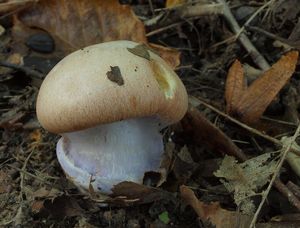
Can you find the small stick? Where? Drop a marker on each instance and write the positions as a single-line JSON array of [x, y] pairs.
[[201, 9], [288, 193], [246, 127], [274, 177], [254, 15], [220, 8], [151, 6], [30, 174], [294, 188], [186, 10], [198, 101], [273, 36], [260, 61], [162, 29]]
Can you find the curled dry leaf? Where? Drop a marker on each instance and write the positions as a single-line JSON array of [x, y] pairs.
[[213, 213], [45, 193], [59, 207], [80, 23], [202, 131], [253, 101], [129, 193], [170, 55]]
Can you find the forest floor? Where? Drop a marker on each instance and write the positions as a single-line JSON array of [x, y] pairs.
[[234, 158]]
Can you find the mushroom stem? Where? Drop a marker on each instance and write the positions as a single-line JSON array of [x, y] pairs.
[[108, 154]]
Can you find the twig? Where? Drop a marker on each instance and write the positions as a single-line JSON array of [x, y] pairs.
[[290, 195], [188, 10], [26, 70], [30, 174], [162, 29], [10, 159], [286, 149], [253, 16], [273, 36], [252, 130], [260, 61], [246, 127], [18, 216], [22, 173], [151, 7], [220, 8], [294, 188], [290, 124], [200, 9]]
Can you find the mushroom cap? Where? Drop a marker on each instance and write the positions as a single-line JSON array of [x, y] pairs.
[[109, 82]]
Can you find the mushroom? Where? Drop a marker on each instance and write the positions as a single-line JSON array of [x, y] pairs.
[[109, 102]]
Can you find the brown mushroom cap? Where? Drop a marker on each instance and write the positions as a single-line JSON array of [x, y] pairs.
[[109, 82]]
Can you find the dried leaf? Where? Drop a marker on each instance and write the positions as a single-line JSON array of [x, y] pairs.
[[45, 193], [201, 131], [184, 166], [14, 5], [36, 136], [170, 55], [246, 178], [129, 193], [60, 207], [37, 206], [173, 3], [235, 85], [79, 23], [140, 50], [212, 212], [262, 91]]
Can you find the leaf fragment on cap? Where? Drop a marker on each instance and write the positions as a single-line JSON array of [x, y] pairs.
[[115, 75], [140, 50]]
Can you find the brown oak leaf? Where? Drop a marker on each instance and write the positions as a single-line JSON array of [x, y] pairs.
[[75, 24], [248, 104]]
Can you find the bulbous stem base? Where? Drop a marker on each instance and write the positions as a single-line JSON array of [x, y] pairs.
[[109, 154]]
